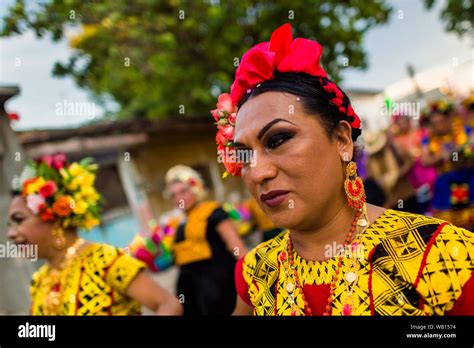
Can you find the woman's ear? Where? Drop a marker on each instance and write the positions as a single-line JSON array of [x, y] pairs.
[[345, 145]]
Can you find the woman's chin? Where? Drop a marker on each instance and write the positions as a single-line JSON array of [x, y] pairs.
[[285, 219]]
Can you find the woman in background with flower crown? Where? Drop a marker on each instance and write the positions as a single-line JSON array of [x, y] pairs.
[[51, 201], [206, 246], [339, 255]]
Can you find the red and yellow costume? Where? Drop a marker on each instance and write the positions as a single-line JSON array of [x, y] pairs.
[[411, 265], [92, 279]]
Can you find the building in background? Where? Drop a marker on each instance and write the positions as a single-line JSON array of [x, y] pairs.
[[134, 156]]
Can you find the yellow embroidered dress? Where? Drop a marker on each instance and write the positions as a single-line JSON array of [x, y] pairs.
[[409, 265], [93, 283]]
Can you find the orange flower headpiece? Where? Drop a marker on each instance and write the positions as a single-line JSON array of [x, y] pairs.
[[57, 191], [260, 63]]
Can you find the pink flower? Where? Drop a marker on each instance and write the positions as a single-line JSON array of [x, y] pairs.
[[34, 202], [48, 189], [221, 139], [59, 160], [224, 103], [232, 117], [228, 132], [215, 114], [56, 161]]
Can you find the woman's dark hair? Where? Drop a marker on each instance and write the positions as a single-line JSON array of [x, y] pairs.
[[316, 100]]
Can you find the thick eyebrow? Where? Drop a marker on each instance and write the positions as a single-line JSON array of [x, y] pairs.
[[265, 129], [269, 125]]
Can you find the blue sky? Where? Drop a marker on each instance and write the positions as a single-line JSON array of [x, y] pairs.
[[413, 36]]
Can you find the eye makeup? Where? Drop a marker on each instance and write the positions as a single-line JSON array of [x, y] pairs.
[[277, 138], [17, 218]]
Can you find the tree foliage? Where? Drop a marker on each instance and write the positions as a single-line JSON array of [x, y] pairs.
[[457, 15], [159, 57]]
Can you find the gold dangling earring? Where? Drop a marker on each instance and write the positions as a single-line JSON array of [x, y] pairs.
[[59, 238], [354, 187]]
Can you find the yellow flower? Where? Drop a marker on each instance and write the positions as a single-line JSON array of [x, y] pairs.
[[88, 179], [76, 170], [80, 206], [94, 198], [35, 186], [90, 222], [73, 185], [87, 191], [64, 173]]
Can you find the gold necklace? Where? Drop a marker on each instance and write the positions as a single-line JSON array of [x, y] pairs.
[[350, 249], [51, 283]]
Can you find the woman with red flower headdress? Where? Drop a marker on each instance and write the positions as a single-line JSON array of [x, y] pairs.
[[52, 199], [338, 254]]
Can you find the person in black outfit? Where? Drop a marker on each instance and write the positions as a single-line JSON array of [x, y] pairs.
[[206, 247]]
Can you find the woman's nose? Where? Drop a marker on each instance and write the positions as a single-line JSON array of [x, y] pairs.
[[263, 169], [11, 233]]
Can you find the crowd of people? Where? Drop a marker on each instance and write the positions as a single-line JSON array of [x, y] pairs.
[[425, 165]]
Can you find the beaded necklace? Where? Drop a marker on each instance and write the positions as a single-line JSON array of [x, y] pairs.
[[293, 286], [52, 283]]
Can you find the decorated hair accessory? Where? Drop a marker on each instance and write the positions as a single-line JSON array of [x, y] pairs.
[[188, 176], [57, 191], [260, 63], [442, 106]]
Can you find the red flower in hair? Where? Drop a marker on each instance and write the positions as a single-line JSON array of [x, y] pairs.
[[224, 103], [221, 139], [259, 64], [46, 214], [48, 189], [282, 54], [227, 132], [233, 168]]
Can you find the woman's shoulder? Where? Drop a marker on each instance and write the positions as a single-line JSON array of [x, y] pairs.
[[394, 221], [416, 229], [115, 264], [424, 243], [103, 256]]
